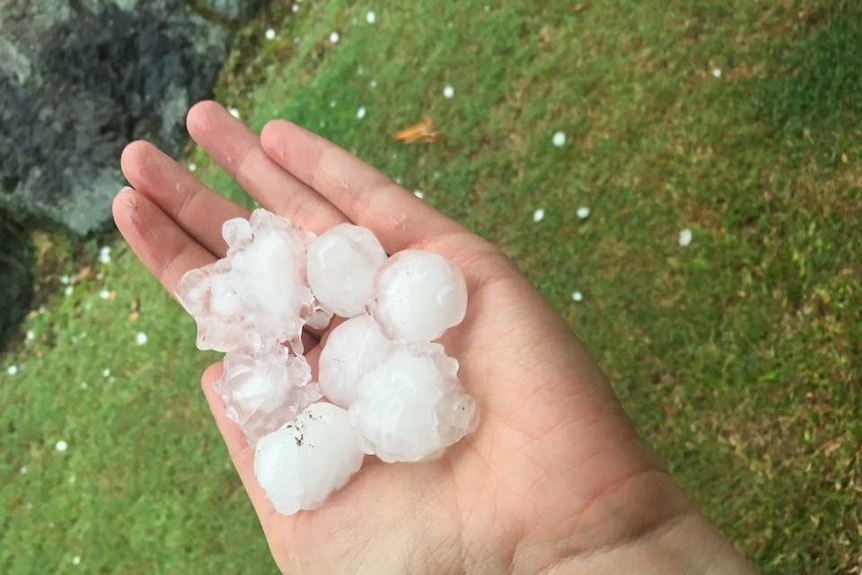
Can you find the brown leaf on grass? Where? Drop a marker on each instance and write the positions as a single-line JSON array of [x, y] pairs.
[[579, 7], [83, 274], [422, 131]]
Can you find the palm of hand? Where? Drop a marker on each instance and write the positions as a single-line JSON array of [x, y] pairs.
[[554, 465]]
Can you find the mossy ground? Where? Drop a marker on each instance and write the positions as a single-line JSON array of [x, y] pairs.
[[739, 357]]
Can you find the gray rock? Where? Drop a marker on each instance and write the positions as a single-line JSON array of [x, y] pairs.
[[81, 78], [233, 9], [16, 280]]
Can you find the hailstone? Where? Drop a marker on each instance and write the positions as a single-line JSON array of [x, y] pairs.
[[300, 464], [341, 266], [419, 295]]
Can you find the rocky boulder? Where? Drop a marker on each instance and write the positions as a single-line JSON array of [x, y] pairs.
[[81, 78]]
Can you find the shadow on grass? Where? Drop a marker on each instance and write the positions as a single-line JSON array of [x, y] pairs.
[[16, 278]]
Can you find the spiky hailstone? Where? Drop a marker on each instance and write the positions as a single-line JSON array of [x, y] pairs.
[[342, 264], [263, 389], [303, 462], [411, 406], [419, 295], [257, 295]]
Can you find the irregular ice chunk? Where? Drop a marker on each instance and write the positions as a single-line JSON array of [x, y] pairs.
[[257, 295], [419, 296], [303, 462], [352, 349], [341, 266], [265, 389], [411, 407]]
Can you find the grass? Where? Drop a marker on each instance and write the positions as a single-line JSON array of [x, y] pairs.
[[739, 357]]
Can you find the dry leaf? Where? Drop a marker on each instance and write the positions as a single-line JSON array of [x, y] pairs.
[[422, 131]]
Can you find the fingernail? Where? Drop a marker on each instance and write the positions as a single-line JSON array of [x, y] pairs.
[[126, 196]]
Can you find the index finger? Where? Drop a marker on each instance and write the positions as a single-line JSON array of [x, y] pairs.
[[362, 193]]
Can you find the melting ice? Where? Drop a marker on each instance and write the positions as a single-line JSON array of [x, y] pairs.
[[383, 388]]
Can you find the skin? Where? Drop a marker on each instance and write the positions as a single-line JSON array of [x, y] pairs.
[[554, 479]]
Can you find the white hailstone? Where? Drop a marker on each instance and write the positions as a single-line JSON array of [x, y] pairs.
[[105, 254], [583, 213], [233, 112], [263, 390], [12, 369], [141, 338], [370, 17], [448, 92], [577, 296], [295, 8], [716, 72], [418, 194], [342, 264], [559, 139], [61, 446], [334, 37], [685, 237], [23, 470], [76, 560], [269, 34], [193, 167], [83, 385], [299, 465], [64, 280], [332, 103], [538, 215], [255, 296], [411, 406], [106, 372], [373, 83], [351, 350], [67, 291], [419, 295], [360, 113], [105, 294], [31, 335]]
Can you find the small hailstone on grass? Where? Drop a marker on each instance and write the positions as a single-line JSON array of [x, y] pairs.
[[61, 446], [106, 372], [64, 280], [685, 237], [448, 92], [538, 215], [233, 112], [418, 194], [23, 470], [83, 385], [31, 335], [67, 291], [76, 560], [295, 8], [360, 113], [105, 294], [370, 17], [105, 254], [332, 103], [193, 167], [577, 296], [269, 34], [583, 213], [334, 37], [141, 338], [12, 369], [559, 139], [373, 83], [716, 72]]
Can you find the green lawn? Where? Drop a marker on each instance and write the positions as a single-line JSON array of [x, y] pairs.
[[739, 356]]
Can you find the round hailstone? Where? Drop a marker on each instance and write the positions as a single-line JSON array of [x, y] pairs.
[[141, 338], [411, 406], [538, 215], [265, 389], [370, 17], [12, 369], [559, 139], [352, 349], [334, 37], [360, 113], [419, 296], [583, 213], [716, 72], [299, 465], [685, 237], [577, 296], [341, 267], [269, 34], [233, 112], [448, 92], [61, 446]]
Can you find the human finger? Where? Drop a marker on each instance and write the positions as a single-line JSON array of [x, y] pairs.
[[237, 150], [165, 248], [197, 209], [365, 195]]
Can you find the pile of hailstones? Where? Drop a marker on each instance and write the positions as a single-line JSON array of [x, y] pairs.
[[383, 388]]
